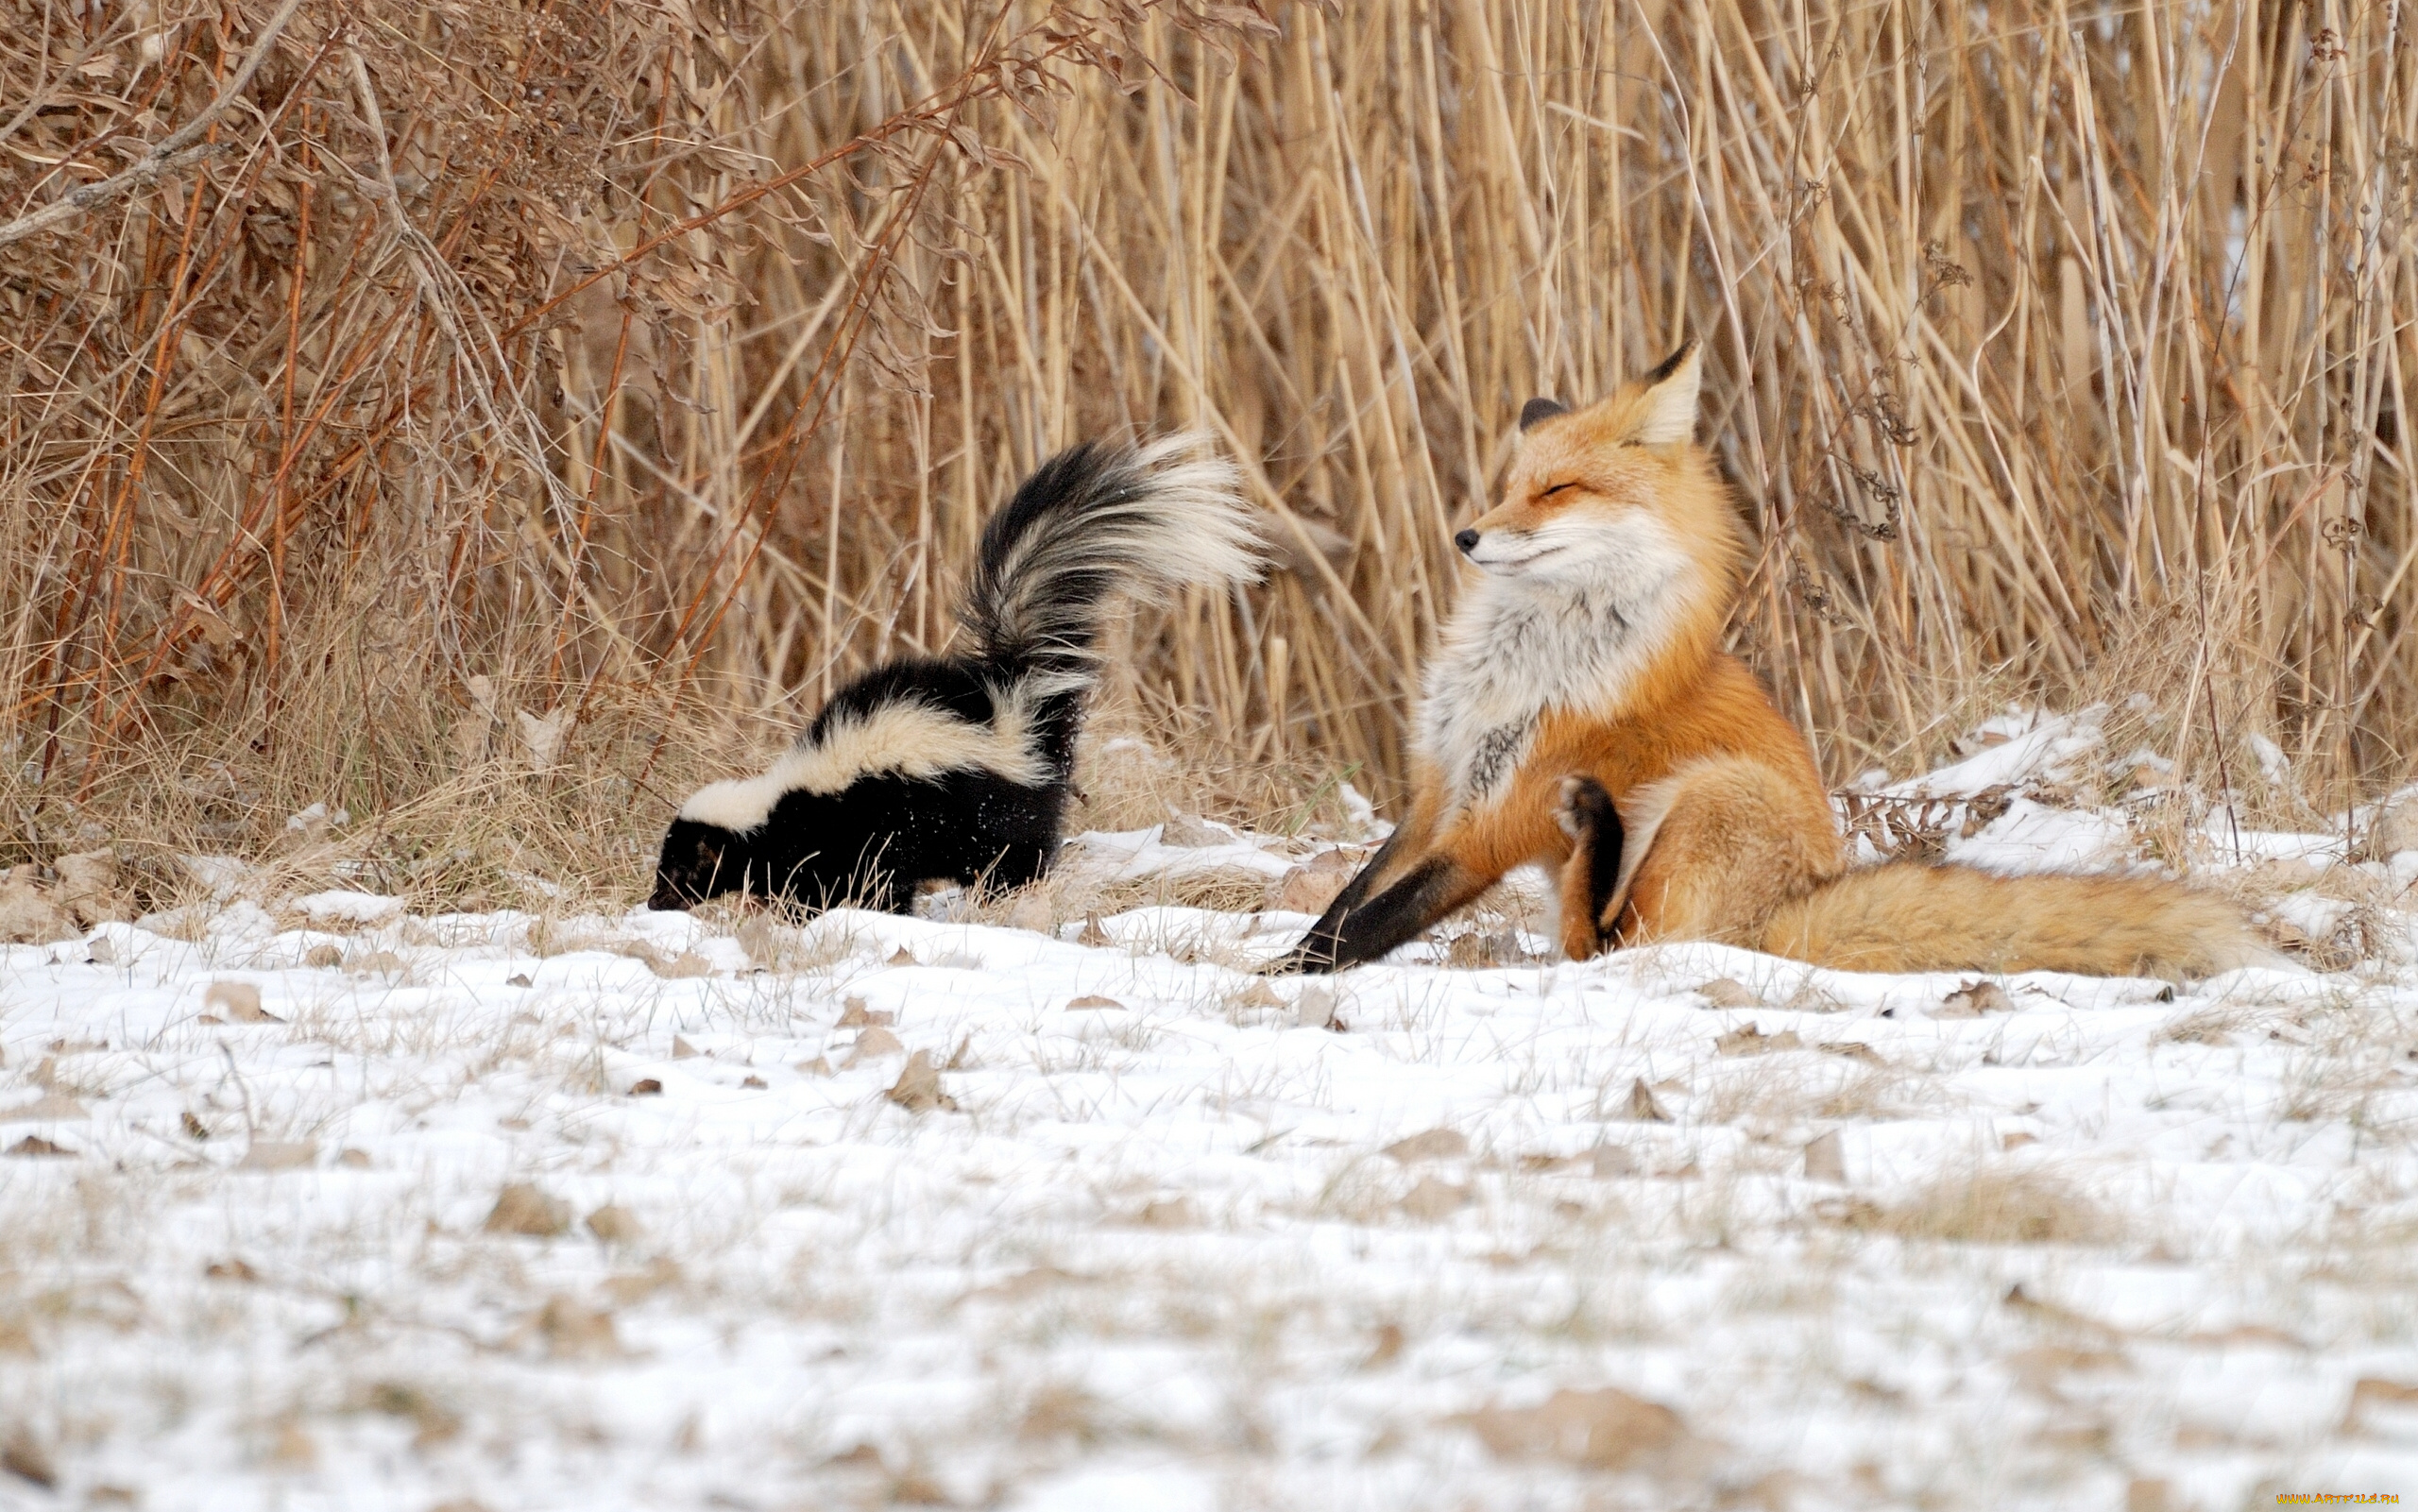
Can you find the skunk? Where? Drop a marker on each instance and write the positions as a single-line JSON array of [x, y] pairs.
[[958, 766]]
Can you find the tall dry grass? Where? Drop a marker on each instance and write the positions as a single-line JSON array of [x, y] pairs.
[[657, 364]]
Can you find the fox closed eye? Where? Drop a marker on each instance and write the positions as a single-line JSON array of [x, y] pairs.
[[1557, 487]]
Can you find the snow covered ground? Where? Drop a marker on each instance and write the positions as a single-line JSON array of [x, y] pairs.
[[314, 1203]]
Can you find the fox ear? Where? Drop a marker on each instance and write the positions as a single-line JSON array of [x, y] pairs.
[[1671, 391], [1538, 409]]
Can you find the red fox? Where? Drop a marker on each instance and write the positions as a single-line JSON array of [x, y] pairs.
[[1581, 713]]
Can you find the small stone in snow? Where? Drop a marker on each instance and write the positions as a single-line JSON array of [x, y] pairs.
[[321, 958], [682, 1049], [875, 1041], [646, 1087], [518, 979], [1092, 1000], [35, 1144], [1093, 934], [1826, 1158], [1315, 1009], [903, 957]]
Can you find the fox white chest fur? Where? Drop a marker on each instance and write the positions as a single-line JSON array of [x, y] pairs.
[[1522, 646]]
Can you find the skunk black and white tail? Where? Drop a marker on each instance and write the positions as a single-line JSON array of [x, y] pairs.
[[958, 767]]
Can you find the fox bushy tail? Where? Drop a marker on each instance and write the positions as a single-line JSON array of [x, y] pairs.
[[1909, 917], [1092, 522]]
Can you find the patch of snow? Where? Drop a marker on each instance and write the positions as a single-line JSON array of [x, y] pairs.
[[222, 877], [2030, 836], [2023, 746], [347, 907], [1143, 1238]]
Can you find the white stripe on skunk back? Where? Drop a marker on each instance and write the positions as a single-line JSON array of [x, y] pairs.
[[905, 740]]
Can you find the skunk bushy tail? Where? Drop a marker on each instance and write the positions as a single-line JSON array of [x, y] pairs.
[[1093, 521]]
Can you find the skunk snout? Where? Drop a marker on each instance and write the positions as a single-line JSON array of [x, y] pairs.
[[667, 898]]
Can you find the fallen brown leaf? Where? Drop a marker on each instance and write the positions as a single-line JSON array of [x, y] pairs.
[[1753, 1041], [918, 1088], [524, 1208], [239, 1002], [1607, 1429], [1432, 1200], [1642, 1107], [1974, 999], [1434, 1145], [615, 1224], [1723, 993]]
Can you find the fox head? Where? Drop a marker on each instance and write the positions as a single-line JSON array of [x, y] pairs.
[[1616, 493]]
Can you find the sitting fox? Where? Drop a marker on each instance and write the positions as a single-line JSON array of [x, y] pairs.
[[1581, 713]]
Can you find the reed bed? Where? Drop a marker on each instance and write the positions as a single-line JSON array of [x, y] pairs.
[[545, 402]]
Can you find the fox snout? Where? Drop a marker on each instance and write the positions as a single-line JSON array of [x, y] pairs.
[[1467, 541]]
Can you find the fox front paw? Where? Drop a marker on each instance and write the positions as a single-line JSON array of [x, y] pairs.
[[1584, 807]]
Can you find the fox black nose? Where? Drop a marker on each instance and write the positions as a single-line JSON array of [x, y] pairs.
[[1467, 541]]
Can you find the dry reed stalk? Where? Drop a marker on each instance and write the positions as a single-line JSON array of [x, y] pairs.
[[685, 356]]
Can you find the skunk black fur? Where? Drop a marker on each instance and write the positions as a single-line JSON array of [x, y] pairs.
[[958, 767]]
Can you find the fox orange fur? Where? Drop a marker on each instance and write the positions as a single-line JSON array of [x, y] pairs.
[[1581, 713]]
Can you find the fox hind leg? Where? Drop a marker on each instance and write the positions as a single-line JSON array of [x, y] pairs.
[[1591, 878], [1725, 841]]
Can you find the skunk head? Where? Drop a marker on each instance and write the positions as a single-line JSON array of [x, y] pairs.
[[710, 848], [700, 860]]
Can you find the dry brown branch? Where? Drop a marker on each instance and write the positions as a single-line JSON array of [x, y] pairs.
[[180, 149]]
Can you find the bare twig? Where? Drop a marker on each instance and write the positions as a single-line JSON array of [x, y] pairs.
[[179, 149]]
